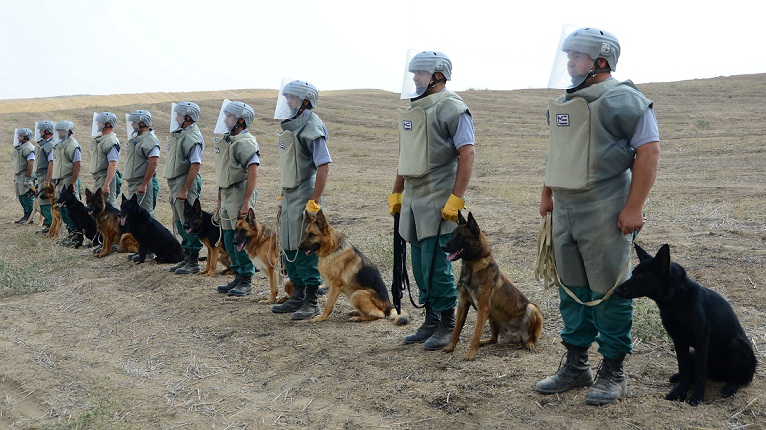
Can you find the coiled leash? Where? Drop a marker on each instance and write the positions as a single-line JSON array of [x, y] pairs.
[[546, 262], [400, 278]]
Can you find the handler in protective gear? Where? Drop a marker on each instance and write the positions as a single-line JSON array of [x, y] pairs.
[[184, 159], [601, 163], [436, 157], [23, 167], [141, 155], [67, 157], [236, 172], [44, 160], [305, 165], [104, 155]]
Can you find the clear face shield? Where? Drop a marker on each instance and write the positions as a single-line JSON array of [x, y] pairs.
[[62, 134], [415, 82], [97, 126], [16, 140], [176, 119], [287, 105], [226, 121], [131, 126]]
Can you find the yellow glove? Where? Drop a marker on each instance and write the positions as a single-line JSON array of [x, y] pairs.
[[454, 205], [280, 199], [394, 203], [312, 207]]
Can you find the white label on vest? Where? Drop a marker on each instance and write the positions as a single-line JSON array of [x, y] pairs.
[[407, 125], [281, 144], [562, 120]]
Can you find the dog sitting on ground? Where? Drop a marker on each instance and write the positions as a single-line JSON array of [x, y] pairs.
[[85, 224], [200, 223], [262, 245], [48, 192], [347, 271], [34, 192], [149, 233], [107, 219], [708, 338], [485, 288]]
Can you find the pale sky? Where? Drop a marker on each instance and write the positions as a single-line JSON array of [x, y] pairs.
[[68, 47]]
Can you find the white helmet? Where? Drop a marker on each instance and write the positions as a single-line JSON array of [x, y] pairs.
[[432, 62], [188, 108], [106, 118], [64, 125], [139, 116], [240, 110], [303, 90], [596, 43], [44, 125], [24, 132]]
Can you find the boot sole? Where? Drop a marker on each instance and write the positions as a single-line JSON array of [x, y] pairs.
[[590, 384]]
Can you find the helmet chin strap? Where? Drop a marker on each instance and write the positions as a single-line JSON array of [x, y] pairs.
[[431, 84], [595, 70]]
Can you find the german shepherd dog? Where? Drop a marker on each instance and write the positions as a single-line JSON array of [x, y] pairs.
[[695, 318], [485, 288], [200, 223], [48, 191], [34, 191], [347, 270], [262, 245], [107, 219], [150, 234], [86, 225]]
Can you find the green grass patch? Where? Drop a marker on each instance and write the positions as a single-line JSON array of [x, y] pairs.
[[16, 280]]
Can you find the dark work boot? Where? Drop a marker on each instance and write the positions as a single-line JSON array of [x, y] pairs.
[[23, 219], [243, 288], [611, 383], [234, 282], [425, 331], [310, 307], [293, 303], [181, 263], [443, 334], [191, 266], [574, 373]]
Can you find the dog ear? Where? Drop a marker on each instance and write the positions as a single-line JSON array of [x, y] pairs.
[[123, 197], [250, 216], [197, 207], [88, 193], [134, 199], [472, 224], [460, 218], [320, 219], [663, 258], [642, 255]]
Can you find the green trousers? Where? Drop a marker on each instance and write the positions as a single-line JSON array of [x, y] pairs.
[[27, 203], [46, 211], [240, 261], [607, 323], [437, 288], [302, 269]]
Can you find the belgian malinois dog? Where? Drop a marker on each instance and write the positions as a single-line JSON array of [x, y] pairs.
[[262, 245], [485, 288], [347, 271]]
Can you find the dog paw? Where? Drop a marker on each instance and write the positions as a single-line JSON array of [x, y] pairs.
[[676, 395], [729, 390], [675, 378], [319, 318], [695, 400]]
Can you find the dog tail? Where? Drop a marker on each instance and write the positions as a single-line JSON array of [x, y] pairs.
[[535, 324], [398, 318]]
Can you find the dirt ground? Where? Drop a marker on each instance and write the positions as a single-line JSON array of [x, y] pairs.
[[103, 343]]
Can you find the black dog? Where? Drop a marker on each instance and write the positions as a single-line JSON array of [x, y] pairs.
[[694, 317], [149, 233], [85, 224]]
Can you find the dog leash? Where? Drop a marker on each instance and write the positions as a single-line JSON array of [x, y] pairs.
[[546, 263]]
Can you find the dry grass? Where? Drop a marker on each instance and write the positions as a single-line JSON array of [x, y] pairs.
[[113, 345]]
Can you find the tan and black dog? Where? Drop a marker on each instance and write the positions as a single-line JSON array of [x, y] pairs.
[[344, 269], [33, 189], [47, 192], [200, 223], [107, 219], [485, 288], [262, 245]]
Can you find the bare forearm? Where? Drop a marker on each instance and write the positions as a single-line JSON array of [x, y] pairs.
[[644, 174], [150, 169], [321, 181], [464, 170], [191, 177]]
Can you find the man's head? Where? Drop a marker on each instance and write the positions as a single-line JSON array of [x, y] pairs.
[[186, 113], [238, 114], [23, 135], [105, 120], [45, 128], [431, 70], [64, 129], [140, 120], [590, 52]]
